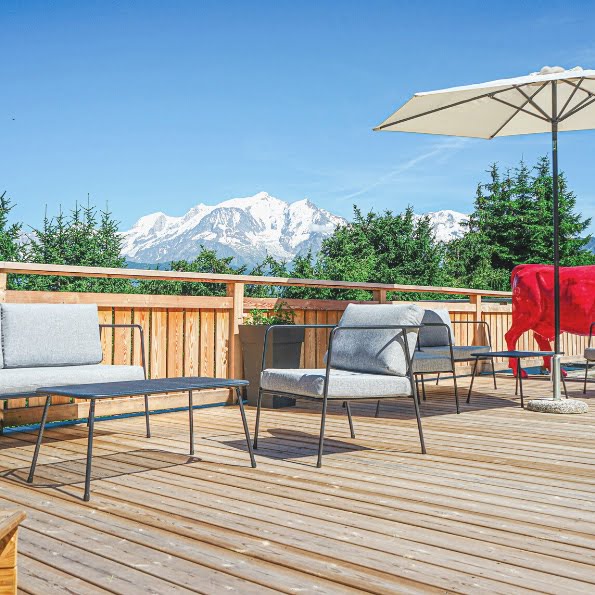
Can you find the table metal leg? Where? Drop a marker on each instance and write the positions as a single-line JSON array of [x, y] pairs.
[[520, 380], [246, 429], [472, 379], [191, 420], [148, 423], [44, 417], [87, 495]]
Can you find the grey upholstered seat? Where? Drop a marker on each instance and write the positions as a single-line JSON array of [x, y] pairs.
[[431, 363], [16, 381], [343, 384]]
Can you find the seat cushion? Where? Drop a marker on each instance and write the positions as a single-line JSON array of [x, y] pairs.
[[342, 383], [428, 363], [375, 351], [434, 336], [35, 335], [460, 352], [590, 353], [16, 381]]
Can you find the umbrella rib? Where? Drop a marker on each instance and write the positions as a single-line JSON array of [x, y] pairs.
[[439, 109], [530, 99], [576, 88], [517, 111], [581, 106], [520, 109]]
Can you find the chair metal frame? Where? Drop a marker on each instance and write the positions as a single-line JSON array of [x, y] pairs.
[[401, 330]]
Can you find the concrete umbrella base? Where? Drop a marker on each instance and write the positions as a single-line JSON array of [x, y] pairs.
[[548, 405]]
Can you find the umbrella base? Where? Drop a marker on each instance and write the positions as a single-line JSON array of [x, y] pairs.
[[548, 405]]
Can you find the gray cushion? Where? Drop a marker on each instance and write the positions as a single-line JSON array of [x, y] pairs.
[[27, 380], [460, 352], [590, 353], [426, 363], [36, 335], [375, 351], [342, 383], [433, 336]]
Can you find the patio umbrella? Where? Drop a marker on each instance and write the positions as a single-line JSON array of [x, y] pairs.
[[552, 100]]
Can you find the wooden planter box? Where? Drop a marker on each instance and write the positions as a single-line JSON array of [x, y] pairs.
[[284, 351]]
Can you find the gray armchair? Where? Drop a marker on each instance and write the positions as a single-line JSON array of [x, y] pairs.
[[369, 357]]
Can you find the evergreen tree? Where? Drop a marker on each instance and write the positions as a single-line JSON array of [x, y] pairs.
[[10, 248]]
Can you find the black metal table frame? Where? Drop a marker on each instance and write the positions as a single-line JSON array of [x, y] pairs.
[[237, 385], [519, 374]]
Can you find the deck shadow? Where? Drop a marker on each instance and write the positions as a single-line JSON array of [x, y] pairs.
[[70, 472]]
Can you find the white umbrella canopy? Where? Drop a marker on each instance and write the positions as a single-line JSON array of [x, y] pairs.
[[551, 100], [507, 107]]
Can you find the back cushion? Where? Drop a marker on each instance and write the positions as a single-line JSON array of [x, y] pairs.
[[39, 335], [375, 351], [435, 336]]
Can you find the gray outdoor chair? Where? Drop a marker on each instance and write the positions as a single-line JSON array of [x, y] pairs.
[[437, 352], [369, 357], [589, 356]]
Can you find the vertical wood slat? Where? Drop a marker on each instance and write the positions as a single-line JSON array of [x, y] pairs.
[[159, 343], [321, 339], [106, 317], [175, 343], [207, 342], [232, 342], [191, 343], [142, 316], [122, 337], [222, 343], [310, 341], [299, 318]]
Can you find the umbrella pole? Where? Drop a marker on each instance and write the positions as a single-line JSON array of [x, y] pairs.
[[556, 368]]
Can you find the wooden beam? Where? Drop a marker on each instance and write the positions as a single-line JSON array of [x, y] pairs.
[[9, 526], [21, 268], [236, 292]]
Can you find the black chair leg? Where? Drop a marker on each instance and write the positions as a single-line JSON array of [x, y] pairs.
[[321, 437], [348, 408], [494, 373], [148, 423], [87, 495], [418, 416], [256, 426], [564, 383], [423, 387], [454, 378], [472, 379], [44, 417], [438, 379], [378, 407], [586, 375], [245, 424]]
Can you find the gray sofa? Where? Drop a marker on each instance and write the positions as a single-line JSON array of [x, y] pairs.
[[54, 344]]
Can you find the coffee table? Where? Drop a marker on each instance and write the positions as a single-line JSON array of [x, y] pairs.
[[518, 355], [110, 390]]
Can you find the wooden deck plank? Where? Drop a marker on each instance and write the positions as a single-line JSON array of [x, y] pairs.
[[502, 502]]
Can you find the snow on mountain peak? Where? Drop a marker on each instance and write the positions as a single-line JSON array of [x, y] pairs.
[[249, 228]]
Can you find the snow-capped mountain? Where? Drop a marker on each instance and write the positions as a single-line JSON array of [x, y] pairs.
[[248, 229], [448, 225]]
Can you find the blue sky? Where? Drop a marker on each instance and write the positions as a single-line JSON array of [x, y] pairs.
[[161, 105]]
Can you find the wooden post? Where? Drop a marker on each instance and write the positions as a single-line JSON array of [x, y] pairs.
[[235, 291], [9, 526], [379, 296]]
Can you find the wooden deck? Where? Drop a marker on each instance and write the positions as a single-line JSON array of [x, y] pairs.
[[503, 502]]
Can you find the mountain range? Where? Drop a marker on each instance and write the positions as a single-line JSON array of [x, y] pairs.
[[248, 229]]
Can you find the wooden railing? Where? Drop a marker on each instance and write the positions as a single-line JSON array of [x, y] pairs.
[[199, 335]]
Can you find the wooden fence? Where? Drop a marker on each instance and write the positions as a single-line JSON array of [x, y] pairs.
[[190, 336]]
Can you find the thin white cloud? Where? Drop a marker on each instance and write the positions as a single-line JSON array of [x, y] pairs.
[[439, 149]]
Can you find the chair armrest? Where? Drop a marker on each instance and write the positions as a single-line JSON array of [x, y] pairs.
[[142, 338]]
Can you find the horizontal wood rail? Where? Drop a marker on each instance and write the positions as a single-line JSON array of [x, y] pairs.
[[199, 335], [101, 272]]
